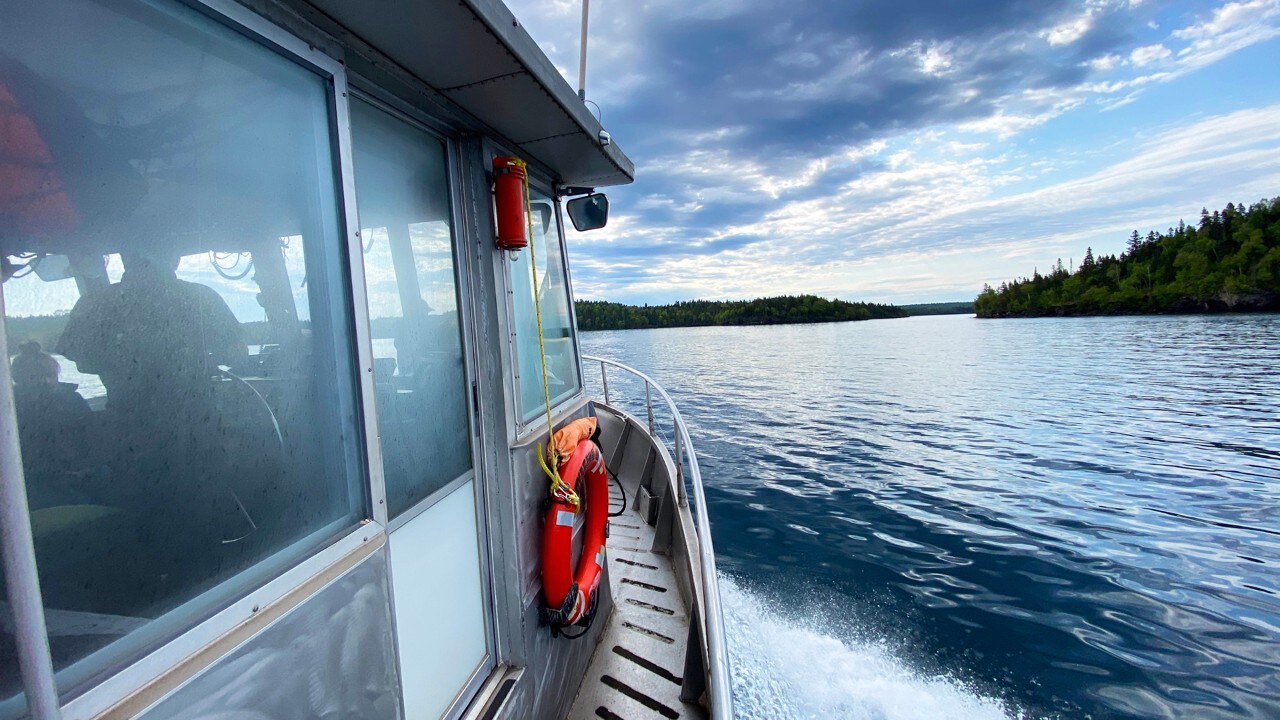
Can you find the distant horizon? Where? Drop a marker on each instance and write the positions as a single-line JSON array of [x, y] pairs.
[[771, 297], [64, 313]]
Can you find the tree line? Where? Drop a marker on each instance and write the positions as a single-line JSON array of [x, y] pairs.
[[1229, 261], [601, 315], [942, 308]]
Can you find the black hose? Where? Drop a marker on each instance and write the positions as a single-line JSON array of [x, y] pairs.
[[621, 490]]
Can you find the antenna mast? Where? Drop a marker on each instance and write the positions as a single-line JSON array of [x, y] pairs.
[[582, 56]]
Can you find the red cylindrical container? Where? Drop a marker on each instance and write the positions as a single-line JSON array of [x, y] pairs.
[[509, 199]]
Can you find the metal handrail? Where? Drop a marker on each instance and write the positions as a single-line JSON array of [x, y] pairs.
[[718, 689]]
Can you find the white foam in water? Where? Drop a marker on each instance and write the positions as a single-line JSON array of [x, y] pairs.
[[782, 669]]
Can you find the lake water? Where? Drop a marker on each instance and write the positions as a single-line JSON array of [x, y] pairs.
[[944, 517]]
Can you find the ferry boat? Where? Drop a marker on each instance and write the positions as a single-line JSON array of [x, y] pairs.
[[275, 404]]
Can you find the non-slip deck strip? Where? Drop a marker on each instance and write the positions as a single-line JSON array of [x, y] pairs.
[[645, 585], [646, 631], [656, 705], [649, 665], [650, 606]]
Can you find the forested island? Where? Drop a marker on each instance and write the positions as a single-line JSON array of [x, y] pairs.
[[601, 315], [1229, 262]]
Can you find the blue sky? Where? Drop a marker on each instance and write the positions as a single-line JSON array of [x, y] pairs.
[[909, 151]]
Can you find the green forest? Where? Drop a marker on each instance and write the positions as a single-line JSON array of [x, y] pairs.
[[942, 308], [1228, 262], [601, 315]]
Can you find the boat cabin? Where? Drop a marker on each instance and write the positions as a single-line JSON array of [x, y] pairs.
[[272, 398]]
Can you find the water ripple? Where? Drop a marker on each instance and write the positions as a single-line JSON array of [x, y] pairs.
[[1068, 517]]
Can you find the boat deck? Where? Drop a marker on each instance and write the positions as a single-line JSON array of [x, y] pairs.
[[635, 673]]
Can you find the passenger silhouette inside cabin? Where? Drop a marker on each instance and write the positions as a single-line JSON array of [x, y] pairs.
[[51, 416], [151, 337], [180, 451]]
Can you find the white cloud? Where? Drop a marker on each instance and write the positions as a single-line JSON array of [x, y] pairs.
[[1068, 32], [1148, 54], [1003, 125], [1232, 27], [1106, 62], [930, 228], [931, 58]]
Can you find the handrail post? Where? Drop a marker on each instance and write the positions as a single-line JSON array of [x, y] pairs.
[[648, 405], [680, 493], [604, 380]]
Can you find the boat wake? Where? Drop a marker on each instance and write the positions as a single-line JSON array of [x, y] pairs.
[[782, 668]]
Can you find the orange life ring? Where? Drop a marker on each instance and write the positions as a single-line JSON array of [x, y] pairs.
[[571, 595]]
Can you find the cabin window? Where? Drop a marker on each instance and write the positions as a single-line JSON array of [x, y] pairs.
[[402, 189], [178, 314], [553, 299]]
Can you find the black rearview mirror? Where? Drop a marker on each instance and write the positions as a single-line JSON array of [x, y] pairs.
[[588, 213]]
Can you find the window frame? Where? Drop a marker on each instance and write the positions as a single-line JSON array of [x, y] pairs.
[[368, 92], [526, 429], [342, 542], [463, 237]]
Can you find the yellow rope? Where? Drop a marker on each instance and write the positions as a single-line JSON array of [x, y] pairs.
[[559, 488]]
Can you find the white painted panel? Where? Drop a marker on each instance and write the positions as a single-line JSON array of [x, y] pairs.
[[439, 601]]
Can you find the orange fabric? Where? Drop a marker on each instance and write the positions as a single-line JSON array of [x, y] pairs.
[[567, 438], [33, 198]]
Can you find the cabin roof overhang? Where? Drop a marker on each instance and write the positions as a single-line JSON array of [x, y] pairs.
[[477, 56]]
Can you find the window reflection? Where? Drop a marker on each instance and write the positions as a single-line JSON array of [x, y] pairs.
[[403, 194], [175, 306], [553, 298]]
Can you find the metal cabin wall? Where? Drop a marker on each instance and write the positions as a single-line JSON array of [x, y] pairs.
[[557, 665], [331, 656], [514, 484]]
